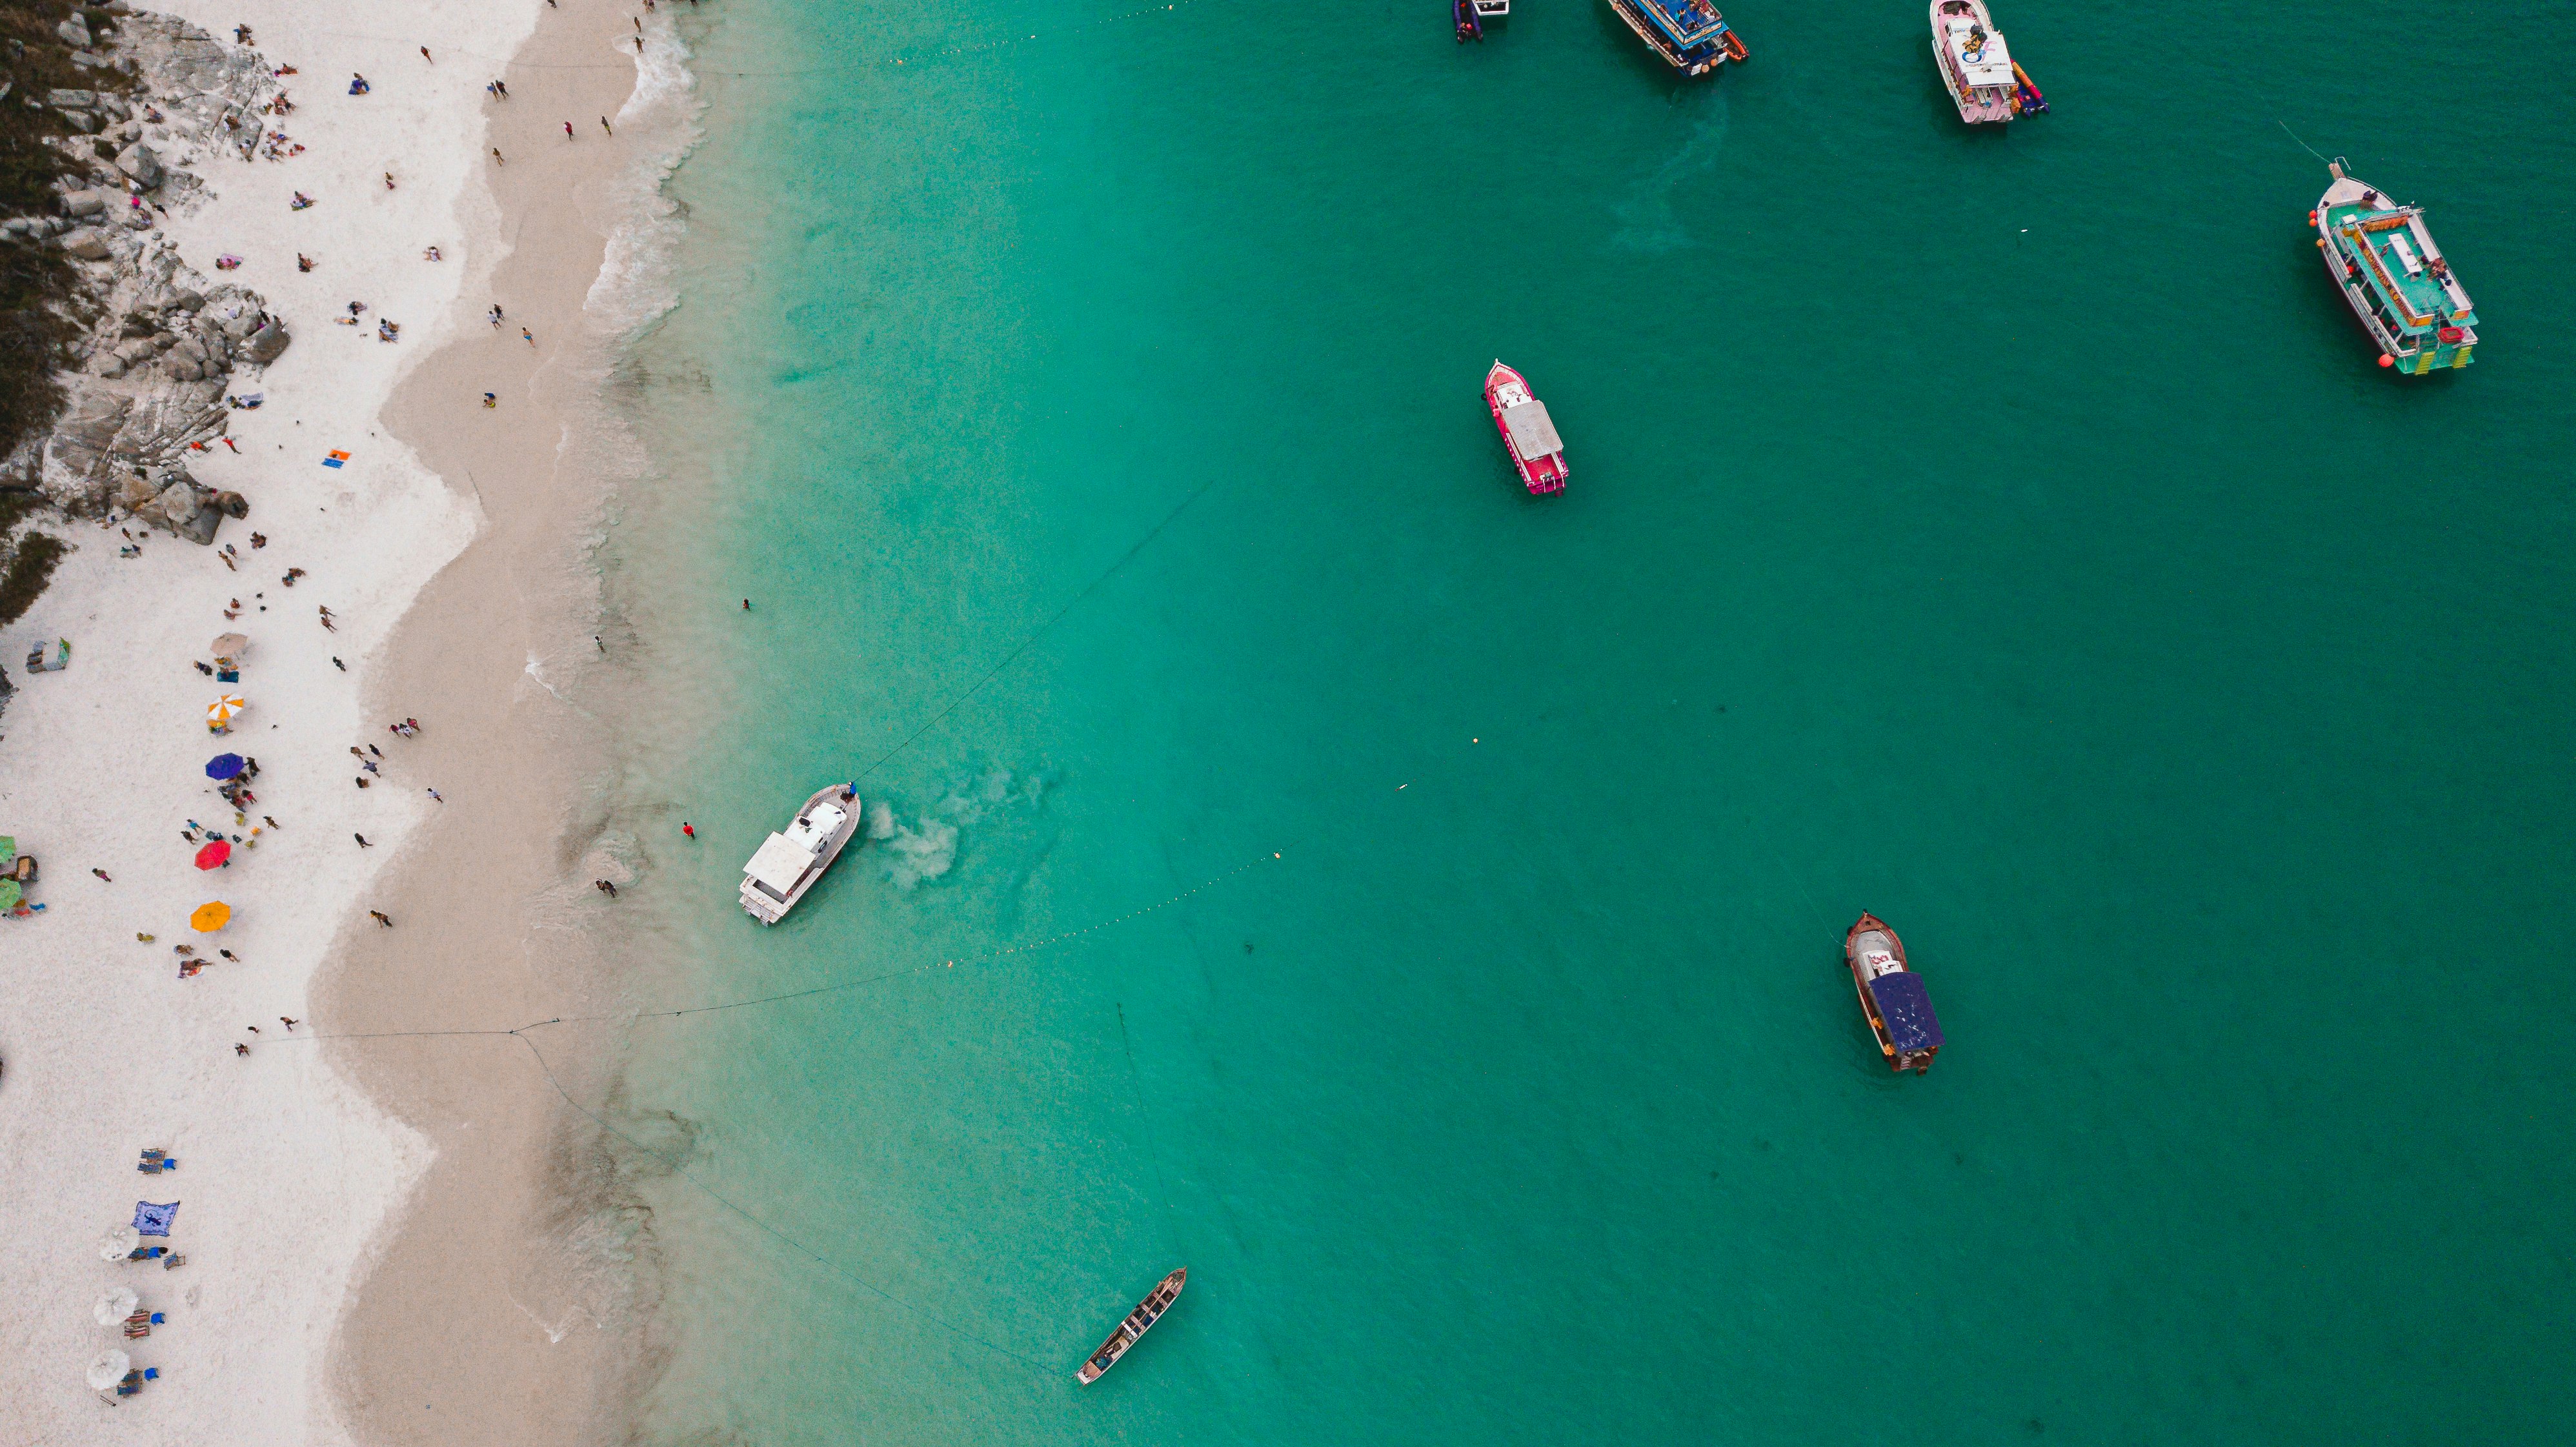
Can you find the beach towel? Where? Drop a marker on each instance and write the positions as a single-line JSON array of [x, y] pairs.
[[335, 459], [152, 1220]]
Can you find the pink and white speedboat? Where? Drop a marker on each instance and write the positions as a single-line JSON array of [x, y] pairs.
[[1537, 453]]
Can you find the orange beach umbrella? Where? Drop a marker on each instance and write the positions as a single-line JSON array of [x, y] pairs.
[[210, 917]]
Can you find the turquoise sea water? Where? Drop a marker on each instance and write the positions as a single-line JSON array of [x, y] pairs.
[[2006, 534]]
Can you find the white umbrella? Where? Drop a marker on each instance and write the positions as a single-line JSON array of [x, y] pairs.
[[114, 1305], [109, 1368], [119, 1243]]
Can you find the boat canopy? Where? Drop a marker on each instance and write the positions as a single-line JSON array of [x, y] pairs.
[[1991, 64], [1533, 435], [780, 863], [1902, 1003], [1688, 22]]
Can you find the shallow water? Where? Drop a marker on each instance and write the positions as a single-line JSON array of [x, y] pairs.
[[2006, 534]]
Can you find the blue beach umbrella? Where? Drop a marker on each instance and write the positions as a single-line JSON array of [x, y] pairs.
[[224, 766]]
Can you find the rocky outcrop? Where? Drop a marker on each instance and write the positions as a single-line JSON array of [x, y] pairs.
[[153, 369]]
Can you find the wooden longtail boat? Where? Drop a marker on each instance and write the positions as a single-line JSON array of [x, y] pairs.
[[1133, 1329], [1689, 34], [1909, 1034]]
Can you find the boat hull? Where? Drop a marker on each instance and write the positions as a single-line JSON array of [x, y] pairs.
[[1133, 1329], [1696, 61], [1979, 105], [1899, 1059], [1543, 474], [2344, 269], [770, 911]]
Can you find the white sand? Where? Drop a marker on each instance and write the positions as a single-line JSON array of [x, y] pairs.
[[290, 1177]]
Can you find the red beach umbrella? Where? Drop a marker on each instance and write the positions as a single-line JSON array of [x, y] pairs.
[[213, 855]]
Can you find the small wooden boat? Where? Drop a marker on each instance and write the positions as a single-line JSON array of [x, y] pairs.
[[1464, 12], [1537, 453], [1133, 1329], [1970, 53], [1909, 1034], [787, 864]]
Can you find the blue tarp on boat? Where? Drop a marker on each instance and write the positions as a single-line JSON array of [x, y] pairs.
[[1907, 1010], [1688, 22]]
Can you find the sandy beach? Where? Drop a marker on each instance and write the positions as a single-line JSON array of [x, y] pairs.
[[379, 1242]]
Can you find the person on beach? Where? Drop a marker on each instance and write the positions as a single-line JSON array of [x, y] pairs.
[[361, 781], [362, 841], [528, 336], [605, 126], [389, 180], [496, 157], [240, 1049], [303, 262], [434, 794], [101, 873], [379, 917], [688, 829], [494, 316], [568, 135], [358, 84], [424, 54], [605, 887], [336, 663], [746, 605], [289, 1022], [491, 401]]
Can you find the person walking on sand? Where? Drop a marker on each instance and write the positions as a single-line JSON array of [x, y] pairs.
[[424, 54], [289, 1022], [503, 87], [606, 887], [497, 158], [605, 126], [240, 1049], [379, 917], [362, 841], [434, 794], [568, 135], [101, 873], [688, 829], [527, 336]]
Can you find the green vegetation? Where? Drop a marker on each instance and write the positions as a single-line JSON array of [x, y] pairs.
[[37, 291], [31, 566]]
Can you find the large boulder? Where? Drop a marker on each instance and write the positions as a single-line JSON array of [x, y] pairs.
[[138, 161], [71, 100], [74, 32], [268, 343], [84, 203], [88, 243]]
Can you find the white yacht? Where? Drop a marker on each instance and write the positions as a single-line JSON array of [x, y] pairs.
[[789, 862]]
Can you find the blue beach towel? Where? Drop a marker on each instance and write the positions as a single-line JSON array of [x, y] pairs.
[[152, 1220]]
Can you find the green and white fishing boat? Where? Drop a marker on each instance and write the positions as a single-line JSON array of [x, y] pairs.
[[2395, 277]]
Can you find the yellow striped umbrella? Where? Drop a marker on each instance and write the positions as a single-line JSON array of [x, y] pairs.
[[210, 917], [221, 711]]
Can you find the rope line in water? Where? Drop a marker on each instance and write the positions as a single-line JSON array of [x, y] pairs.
[[883, 62]]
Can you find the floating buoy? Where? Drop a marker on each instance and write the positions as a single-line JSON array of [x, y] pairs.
[[2321, 243], [2386, 360], [2312, 218]]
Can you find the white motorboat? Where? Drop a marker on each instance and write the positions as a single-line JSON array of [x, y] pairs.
[[788, 862]]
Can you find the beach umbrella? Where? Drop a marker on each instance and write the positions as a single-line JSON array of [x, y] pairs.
[[118, 1243], [109, 1368], [230, 646], [214, 855], [210, 917], [114, 1305], [224, 766], [222, 710]]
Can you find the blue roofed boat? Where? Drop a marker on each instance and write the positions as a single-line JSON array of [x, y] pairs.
[[1689, 33], [1893, 997]]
